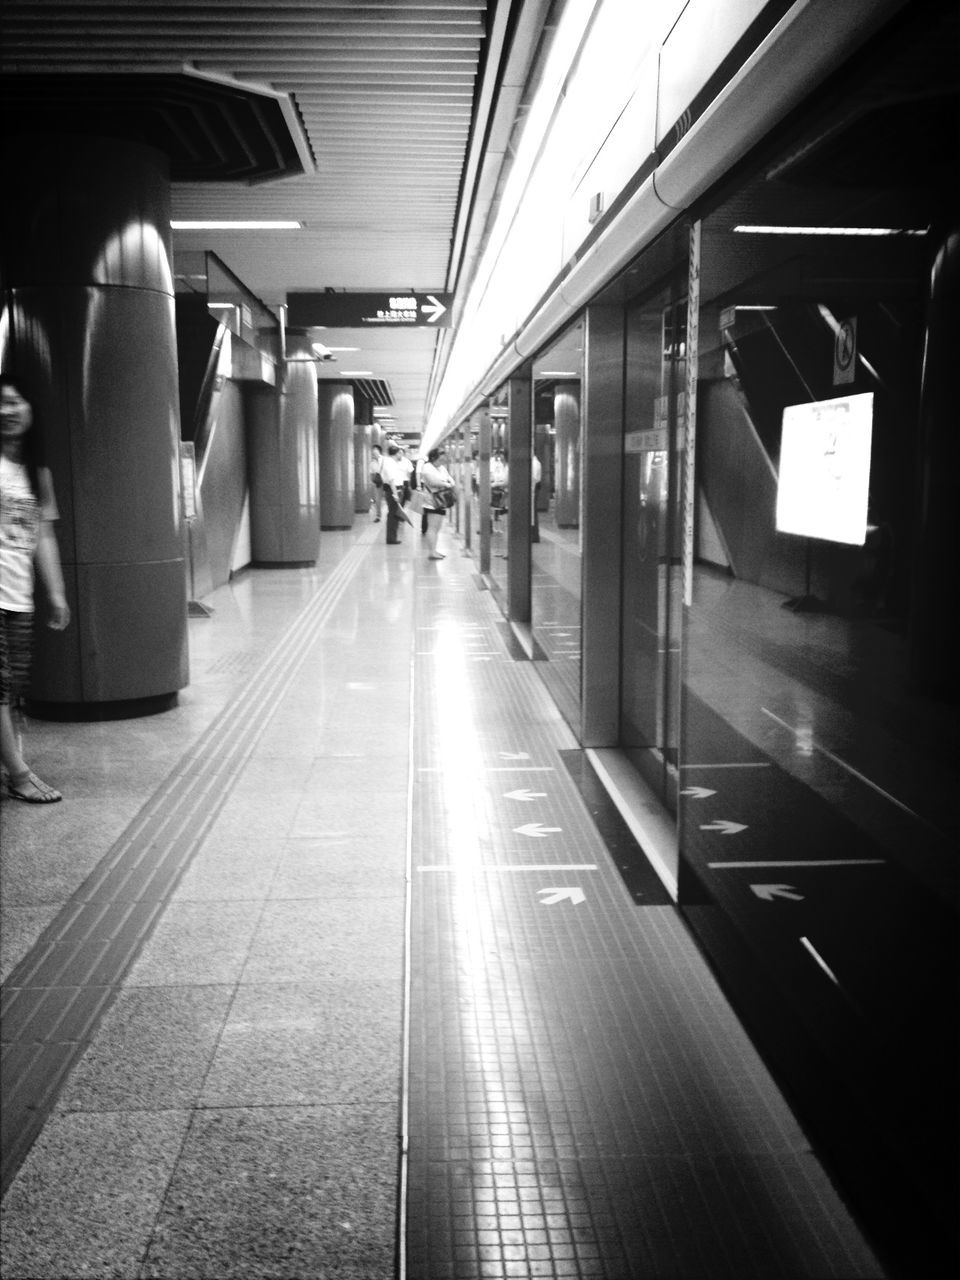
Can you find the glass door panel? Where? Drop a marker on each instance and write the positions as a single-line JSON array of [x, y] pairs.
[[652, 546], [555, 562]]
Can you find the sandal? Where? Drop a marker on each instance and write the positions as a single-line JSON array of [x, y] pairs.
[[29, 788]]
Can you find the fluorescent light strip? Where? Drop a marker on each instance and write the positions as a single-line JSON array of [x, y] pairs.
[[761, 230], [237, 225], [356, 373]]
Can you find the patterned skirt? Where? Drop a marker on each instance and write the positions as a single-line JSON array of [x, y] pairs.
[[16, 646]]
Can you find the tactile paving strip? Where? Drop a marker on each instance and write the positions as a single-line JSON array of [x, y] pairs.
[[581, 1100], [53, 1001]]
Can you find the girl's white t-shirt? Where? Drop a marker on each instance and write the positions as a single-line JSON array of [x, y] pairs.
[[20, 517]]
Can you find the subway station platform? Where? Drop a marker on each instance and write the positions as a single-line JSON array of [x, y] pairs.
[[331, 971]]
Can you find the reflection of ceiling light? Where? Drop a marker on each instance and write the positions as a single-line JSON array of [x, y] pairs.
[[357, 373], [558, 373], [829, 231], [225, 224], [343, 348], [753, 306], [223, 306]]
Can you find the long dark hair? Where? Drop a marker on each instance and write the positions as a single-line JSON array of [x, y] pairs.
[[31, 443]]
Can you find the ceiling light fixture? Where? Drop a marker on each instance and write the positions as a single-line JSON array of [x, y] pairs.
[[762, 230], [237, 224]]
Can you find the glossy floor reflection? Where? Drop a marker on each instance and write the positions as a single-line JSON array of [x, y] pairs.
[[330, 972], [582, 1100]]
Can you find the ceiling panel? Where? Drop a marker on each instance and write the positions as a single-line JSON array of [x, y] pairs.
[[385, 92]]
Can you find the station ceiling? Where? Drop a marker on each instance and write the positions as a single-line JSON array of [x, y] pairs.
[[381, 125]]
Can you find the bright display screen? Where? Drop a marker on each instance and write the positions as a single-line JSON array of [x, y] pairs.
[[824, 479]]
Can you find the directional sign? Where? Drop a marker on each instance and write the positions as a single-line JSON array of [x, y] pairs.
[[770, 891], [536, 830], [433, 308], [724, 826], [400, 310], [523, 794], [573, 895], [697, 793]]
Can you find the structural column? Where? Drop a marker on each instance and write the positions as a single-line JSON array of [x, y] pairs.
[[88, 300], [282, 452], [520, 497], [336, 415], [931, 639]]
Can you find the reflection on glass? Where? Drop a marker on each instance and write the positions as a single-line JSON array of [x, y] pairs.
[[654, 406], [797, 641], [499, 514], [555, 588]]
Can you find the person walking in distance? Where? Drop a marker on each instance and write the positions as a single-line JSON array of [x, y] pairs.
[[376, 480], [436, 481], [28, 549], [394, 480]]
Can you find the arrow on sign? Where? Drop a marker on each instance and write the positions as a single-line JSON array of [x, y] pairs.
[[770, 891], [524, 795], [535, 829], [558, 895], [723, 826], [433, 309], [698, 793]]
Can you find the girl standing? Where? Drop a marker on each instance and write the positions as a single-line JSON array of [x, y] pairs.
[[28, 548]]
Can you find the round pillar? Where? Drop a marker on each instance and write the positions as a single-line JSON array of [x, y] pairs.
[[336, 416], [88, 297], [284, 471]]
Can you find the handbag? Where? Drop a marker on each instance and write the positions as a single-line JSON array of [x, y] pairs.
[[444, 499]]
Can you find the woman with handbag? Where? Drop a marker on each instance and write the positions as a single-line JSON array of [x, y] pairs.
[[440, 493]]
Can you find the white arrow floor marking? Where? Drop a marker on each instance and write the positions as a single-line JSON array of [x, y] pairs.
[[523, 794], [536, 829], [724, 826], [770, 891], [575, 895]]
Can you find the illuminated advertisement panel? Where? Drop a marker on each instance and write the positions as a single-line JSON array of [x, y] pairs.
[[824, 479]]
